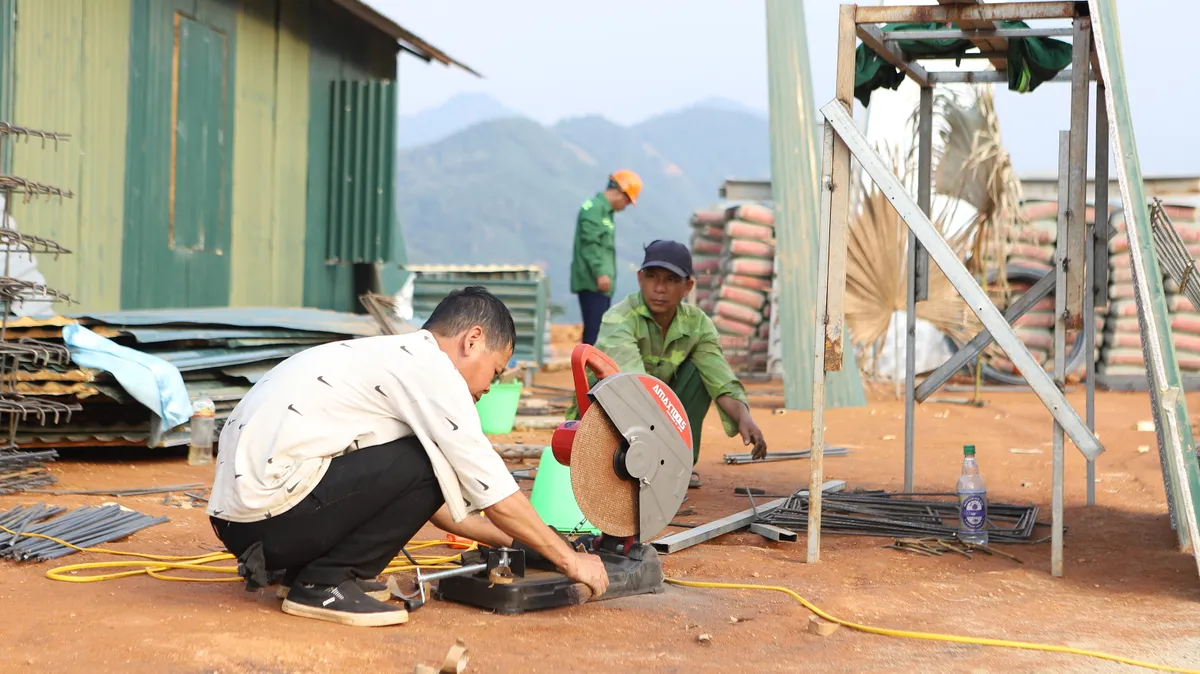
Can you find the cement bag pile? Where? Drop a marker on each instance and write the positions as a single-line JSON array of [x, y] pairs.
[[1123, 338], [733, 253], [1031, 250]]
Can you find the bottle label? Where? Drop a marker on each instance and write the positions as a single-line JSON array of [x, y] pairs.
[[974, 512]]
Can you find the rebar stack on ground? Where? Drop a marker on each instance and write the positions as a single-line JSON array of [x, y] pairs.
[[25, 470], [84, 527], [22, 473], [902, 516], [740, 458]]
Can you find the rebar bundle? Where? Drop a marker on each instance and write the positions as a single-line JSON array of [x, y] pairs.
[[902, 516], [25, 471], [84, 527]]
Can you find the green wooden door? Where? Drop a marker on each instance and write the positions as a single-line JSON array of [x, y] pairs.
[[178, 182]]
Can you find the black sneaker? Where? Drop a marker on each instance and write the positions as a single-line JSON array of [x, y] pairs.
[[373, 588], [345, 604]]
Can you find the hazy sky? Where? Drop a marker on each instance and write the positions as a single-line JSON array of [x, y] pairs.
[[629, 60]]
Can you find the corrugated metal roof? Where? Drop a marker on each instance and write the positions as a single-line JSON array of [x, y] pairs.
[[472, 268], [406, 39], [311, 320], [203, 359]]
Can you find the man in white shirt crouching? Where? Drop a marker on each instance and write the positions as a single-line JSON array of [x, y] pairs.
[[340, 454]]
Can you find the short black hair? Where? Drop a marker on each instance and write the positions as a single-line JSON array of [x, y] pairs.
[[474, 305]]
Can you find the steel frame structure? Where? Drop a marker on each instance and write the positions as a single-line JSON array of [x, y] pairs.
[[1079, 280]]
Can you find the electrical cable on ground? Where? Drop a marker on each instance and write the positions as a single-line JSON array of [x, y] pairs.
[[154, 565], [930, 636]]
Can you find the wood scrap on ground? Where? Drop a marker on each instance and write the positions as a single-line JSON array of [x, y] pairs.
[[936, 547]]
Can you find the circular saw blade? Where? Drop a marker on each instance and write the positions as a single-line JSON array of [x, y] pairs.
[[609, 502]]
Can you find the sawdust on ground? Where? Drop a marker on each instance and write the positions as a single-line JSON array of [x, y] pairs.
[[1127, 589]]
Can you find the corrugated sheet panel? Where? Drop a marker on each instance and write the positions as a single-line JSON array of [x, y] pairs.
[[361, 176], [7, 29], [311, 320], [526, 294], [71, 76], [532, 270], [340, 49], [795, 162], [180, 161], [291, 153], [253, 222], [271, 127]]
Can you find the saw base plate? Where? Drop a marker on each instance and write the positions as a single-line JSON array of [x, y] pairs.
[[542, 589]]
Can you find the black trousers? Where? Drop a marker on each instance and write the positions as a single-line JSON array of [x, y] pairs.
[[368, 506], [592, 305]]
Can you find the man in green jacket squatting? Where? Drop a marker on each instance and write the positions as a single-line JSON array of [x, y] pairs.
[[594, 262], [654, 332]]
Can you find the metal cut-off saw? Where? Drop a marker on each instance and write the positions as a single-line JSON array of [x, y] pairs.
[[630, 456]]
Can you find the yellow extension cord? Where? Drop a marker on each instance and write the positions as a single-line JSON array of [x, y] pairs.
[[156, 564]]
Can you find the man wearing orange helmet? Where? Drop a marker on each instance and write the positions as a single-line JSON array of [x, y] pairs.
[[594, 264]]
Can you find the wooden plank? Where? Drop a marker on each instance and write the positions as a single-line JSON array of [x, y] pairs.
[[1061, 250], [998, 45], [839, 212], [1000, 11], [816, 461], [1076, 193], [872, 37]]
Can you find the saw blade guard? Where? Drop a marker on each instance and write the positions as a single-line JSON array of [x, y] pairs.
[[656, 452]]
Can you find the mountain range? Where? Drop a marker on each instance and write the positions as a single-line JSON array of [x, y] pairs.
[[494, 187]]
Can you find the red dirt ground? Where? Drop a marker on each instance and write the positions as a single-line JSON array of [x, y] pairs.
[[1127, 589]]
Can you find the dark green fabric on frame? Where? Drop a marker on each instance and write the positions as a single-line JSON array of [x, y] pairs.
[[1031, 60]]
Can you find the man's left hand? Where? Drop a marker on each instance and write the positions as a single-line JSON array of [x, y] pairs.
[[752, 435]]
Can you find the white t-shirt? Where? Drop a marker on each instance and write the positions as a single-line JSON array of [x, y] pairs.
[[339, 397]]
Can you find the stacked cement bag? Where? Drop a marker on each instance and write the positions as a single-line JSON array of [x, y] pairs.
[[1031, 250], [735, 270], [1123, 338]]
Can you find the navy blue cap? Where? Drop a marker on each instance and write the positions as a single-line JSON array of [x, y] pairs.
[[670, 255]]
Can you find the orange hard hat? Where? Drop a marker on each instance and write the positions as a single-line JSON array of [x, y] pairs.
[[629, 182]]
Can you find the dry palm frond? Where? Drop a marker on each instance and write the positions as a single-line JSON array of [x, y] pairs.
[[971, 165], [876, 269]]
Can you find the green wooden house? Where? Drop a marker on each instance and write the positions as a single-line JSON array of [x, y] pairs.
[[222, 152]]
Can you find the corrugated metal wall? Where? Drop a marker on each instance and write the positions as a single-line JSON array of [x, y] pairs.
[[271, 154], [7, 27], [199, 204], [71, 60], [340, 50], [362, 178], [180, 153], [525, 291]]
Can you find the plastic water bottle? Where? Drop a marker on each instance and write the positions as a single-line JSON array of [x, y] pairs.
[[204, 414], [972, 501]]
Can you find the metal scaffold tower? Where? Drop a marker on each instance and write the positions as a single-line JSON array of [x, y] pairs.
[[1079, 277], [16, 472]]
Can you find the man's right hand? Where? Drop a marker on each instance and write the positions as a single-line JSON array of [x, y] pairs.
[[603, 284], [589, 570]]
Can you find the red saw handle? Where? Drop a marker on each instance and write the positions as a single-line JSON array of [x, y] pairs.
[[587, 357]]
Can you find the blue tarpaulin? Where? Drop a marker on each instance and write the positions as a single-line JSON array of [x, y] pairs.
[[151, 381]]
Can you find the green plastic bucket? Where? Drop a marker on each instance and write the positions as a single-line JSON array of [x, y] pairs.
[[498, 408], [553, 498]]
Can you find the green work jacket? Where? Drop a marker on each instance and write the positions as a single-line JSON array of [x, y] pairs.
[[595, 246]]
